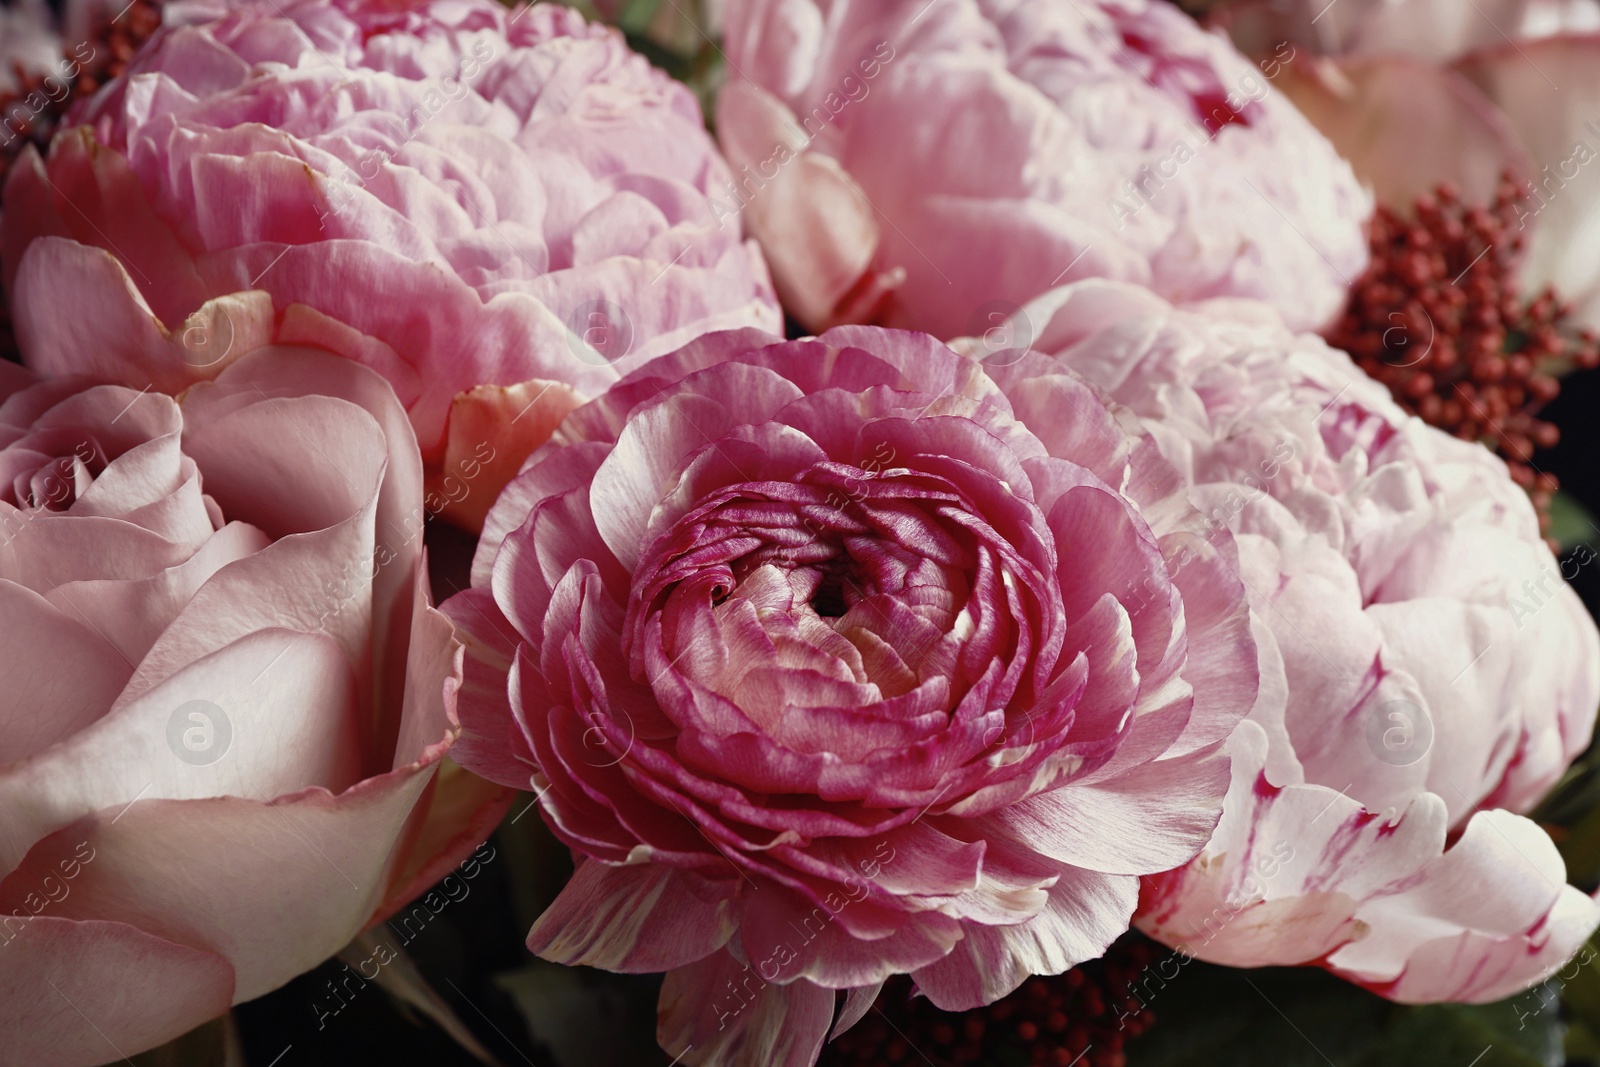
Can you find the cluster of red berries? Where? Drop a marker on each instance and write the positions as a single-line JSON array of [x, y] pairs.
[[1439, 318], [31, 113], [1082, 1018]]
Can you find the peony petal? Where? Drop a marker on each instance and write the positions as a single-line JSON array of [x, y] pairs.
[[1474, 969], [1407, 126], [1489, 916], [117, 341], [1559, 128], [814, 221], [1434, 30], [93, 197]]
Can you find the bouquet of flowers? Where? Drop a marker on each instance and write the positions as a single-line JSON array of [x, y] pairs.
[[778, 532]]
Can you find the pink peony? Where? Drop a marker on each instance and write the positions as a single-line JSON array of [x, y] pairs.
[[497, 210], [1437, 30], [1418, 92], [932, 166], [1426, 671], [226, 701], [838, 658]]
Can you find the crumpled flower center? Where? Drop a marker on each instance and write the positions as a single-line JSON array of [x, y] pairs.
[[1192, 77], [884, 594]]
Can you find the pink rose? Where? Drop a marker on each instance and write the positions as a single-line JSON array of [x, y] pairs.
[[932, 166], [497, 210], [838, 658], [1426, 671], [226, 696]]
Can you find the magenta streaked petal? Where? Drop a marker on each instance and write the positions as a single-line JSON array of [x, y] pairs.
[[1086, 912], [600, 919], [725, 1012]]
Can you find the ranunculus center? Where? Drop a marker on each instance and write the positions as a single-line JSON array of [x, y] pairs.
[[838, 588], [828, 599]]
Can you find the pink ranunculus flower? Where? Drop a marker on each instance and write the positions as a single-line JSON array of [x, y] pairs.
[[226, 698], [932, 166], [1427, 673], [843, 657], [499, 210]]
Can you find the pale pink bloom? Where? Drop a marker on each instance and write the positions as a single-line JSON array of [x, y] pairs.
[[499, 210], [1438, 30], [844, 657], [1426, 670], [932, 166], [1418, 92], [226, 698]]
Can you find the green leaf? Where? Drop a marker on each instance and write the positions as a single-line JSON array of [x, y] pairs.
[[1570, 522], [1305, 1017], [1579, 984], [636, 15], [1580, 848], [1522, 1031]]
